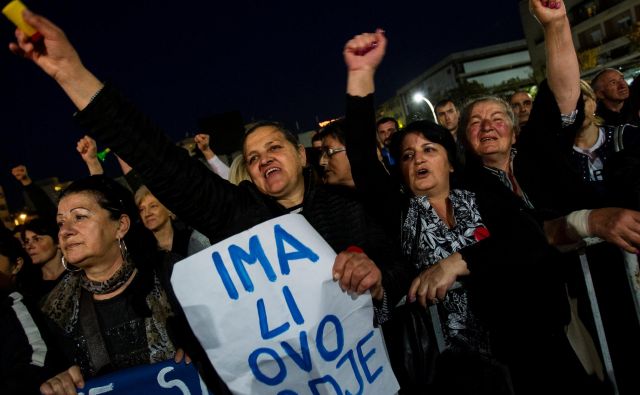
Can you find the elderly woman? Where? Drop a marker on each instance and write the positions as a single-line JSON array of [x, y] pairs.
[[274, 158], [110, 311]]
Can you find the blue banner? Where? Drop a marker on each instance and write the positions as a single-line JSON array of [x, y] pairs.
[[162, 378]]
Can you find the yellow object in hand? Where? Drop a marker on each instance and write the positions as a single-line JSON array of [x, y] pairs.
[[13, 11]]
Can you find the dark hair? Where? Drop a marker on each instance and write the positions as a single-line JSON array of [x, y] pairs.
[[118, 200], [431, 131], [29, 278], [11, 248], [316, 137], [385, 120], [41, 227], [335, 129], [288, 135], [516, 93], [444, 102]]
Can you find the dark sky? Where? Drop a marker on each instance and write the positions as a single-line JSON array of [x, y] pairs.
[[183, 60]]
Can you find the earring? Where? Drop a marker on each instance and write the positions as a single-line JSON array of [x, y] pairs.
[[67, 266], [123, 250]]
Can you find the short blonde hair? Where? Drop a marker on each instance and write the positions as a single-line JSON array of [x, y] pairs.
[[140, 194], [587, 90], [238, 171]]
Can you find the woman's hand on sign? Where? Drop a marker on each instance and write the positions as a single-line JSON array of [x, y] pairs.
[[180, 355], [355, 272], [64, 383]]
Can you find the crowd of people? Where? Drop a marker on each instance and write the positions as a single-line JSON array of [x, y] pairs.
[[475, 219]]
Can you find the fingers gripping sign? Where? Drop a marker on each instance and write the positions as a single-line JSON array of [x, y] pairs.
[[355, 272], [180, 355], [64, 383]]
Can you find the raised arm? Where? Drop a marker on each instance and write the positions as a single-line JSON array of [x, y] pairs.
[[362, 55], [202, 199], [55, 55], [88, 150], [563, 71], [217, 165], [43, 204]]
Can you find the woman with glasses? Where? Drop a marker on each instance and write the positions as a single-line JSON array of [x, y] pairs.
[[337, 170]]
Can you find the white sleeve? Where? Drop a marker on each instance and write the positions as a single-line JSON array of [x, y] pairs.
[[219, 167]]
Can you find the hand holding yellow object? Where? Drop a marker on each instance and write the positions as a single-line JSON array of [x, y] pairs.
[[13, 11]]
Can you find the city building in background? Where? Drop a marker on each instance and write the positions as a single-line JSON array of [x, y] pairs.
[[496, 69], [606, 33]]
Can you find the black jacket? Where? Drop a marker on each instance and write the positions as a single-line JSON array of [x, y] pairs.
[[220, 209], [26, 356], [517, 279]]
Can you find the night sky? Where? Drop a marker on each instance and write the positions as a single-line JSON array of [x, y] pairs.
[[180, 61]]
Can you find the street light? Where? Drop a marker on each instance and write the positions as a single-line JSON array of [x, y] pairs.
[[419, 97]]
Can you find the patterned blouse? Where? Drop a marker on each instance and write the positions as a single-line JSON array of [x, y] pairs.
[[427, 240]]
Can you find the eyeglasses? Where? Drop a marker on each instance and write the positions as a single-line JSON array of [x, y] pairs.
[[332, 151]]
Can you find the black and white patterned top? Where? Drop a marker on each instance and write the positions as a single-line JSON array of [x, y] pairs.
[[426, 239]]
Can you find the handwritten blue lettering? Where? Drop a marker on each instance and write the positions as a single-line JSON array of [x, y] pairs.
[[326, 354], [255, 368], [303, 360], [364, 358], [293, 307], [348, 356], [302, 251], [313, 385], [256, 253], [265, 332], [224, 275]]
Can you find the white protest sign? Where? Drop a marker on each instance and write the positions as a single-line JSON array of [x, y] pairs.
[[271, 319]]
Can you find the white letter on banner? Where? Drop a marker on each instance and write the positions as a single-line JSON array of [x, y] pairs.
[[99, 390], [171, 383]]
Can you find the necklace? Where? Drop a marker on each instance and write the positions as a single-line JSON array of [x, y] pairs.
[[116, 281]]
